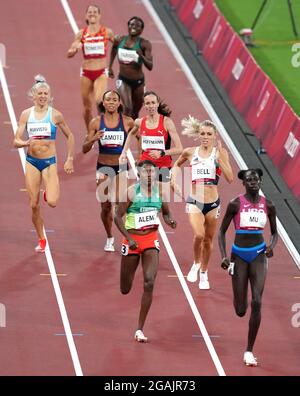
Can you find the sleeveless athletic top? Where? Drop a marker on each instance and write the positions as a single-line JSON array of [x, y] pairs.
[[251, 217], [129, 55], [94, 45], [155, 139], [41, 129], [205, 170], [113, 139], [143, 212]]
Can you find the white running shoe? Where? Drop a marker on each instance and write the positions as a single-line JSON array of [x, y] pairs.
[[109, 246], [193, 274], [250, 359], [204, 284], [139, 336]]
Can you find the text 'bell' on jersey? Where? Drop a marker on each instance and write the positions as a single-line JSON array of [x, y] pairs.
[[129, 55], [113, 140], [205, 170], [251, 216], [94, 45], [142, 214], [41, 129], [155, 139]]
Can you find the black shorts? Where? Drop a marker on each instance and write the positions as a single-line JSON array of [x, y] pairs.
[[134, 84], [203, 207], [110, 170]]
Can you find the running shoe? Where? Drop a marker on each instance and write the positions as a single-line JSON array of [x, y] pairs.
[[41, 247], [139, 336], [193, 274], [204, 284], [249, 359], [109, 246]]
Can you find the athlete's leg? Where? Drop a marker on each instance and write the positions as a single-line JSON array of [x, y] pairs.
[[87, 99], [125, 93], [240, 286], [257, 274], [33, 181], [100, 86], [150, 265], [50, 178], [210, 226], [129, 265], [104, 194], [137, 100], [197, 222]]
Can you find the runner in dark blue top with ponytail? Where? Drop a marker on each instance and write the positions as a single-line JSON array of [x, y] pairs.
[[110, 130]]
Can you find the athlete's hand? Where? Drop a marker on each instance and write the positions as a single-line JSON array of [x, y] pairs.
[[221, 153], [172, 223], [28, 142], [98, 135], [225, 263], [68, 166], [155, 154], [269, 252], [132, 244], [123, 158], [111, 73]]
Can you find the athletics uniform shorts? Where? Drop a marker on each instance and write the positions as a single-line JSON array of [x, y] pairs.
[[145, 242]]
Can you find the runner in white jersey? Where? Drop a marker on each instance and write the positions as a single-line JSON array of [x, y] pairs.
[[207, 162]]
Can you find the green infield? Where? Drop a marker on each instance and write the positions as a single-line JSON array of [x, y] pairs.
[[276, 50]]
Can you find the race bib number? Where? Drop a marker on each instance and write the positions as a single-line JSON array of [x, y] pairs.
[[94, 48], [200, 172], [39, 129], [153, 143], [145, 219], [253, 218], [112, 138], [124, 249], [127, 56]]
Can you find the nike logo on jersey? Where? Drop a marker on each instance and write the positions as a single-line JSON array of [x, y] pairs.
[[260, 250]]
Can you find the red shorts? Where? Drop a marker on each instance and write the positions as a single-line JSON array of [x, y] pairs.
[[92, 74], [148, 241]]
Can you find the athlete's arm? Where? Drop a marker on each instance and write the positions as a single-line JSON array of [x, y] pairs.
[[184, 156], [113, 54], [146, 54], [223, 160], [165, 208], [61, 123], [231, 211], [273, 226], [76, 45], [110, 35], [18, 142], [177, 146], [133, 131], [92, 136], [121, 209]]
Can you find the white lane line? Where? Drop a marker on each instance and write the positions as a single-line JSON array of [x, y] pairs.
[[166, 242], [50, 262], [213, 115]]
